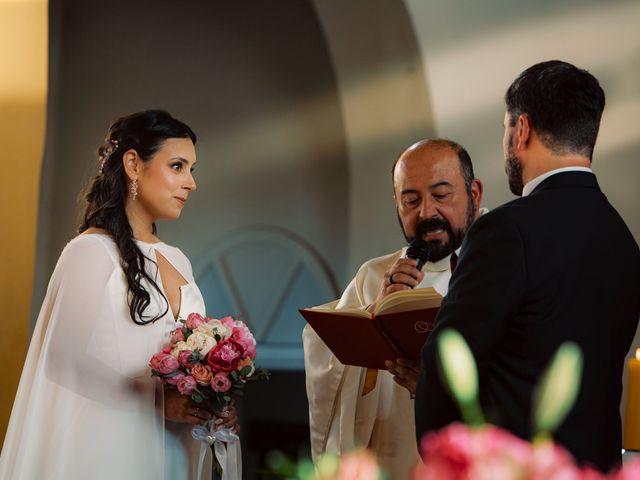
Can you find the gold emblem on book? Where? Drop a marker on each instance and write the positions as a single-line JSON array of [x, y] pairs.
[[422, 327]]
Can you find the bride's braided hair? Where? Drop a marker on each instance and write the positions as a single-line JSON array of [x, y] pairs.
[[106, 195]]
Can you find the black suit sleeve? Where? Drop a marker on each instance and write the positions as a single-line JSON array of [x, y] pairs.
[[485, 292]]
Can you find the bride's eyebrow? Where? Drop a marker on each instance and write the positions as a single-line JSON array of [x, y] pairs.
[[183, 160]]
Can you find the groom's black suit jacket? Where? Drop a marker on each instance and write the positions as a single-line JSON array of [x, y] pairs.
[[557, 265]]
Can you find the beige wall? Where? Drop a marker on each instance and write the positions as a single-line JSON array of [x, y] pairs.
[[23, 88], [472, 51]]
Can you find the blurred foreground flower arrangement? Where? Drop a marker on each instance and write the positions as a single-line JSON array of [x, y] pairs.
[[477, 450], [359, 464]]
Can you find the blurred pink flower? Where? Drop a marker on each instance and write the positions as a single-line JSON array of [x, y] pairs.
[[187, 385], [589, 473], [630, 471], [552, 462], [164, 363], [358, 465], [460, 453], [194, 320], [220, 382]]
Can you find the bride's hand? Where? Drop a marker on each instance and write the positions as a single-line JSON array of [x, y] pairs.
[[181, 409], [228, 418]]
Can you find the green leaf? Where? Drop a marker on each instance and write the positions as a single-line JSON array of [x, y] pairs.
[[196, 397], [556, 392], [461, 374]]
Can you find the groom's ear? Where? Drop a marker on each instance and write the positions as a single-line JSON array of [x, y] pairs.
[[132, 164], [523, 131]]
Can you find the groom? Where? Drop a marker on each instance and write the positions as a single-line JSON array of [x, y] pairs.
[[557, 264]]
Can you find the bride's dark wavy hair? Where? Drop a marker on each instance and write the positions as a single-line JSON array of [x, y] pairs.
[[106, 196]]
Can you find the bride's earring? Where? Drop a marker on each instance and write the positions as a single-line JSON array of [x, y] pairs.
[[133, 189]]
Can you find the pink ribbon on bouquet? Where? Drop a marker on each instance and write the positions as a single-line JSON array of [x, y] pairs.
[[226, 446]]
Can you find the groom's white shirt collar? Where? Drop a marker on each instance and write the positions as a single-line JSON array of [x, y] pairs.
[[532, 184]]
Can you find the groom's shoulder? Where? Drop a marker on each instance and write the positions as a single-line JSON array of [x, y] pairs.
[[514, 210], [509, 217]]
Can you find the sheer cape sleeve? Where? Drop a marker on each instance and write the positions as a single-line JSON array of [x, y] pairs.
[[86, 405]]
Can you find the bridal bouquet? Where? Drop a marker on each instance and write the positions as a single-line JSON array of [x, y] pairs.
[[210, 360]]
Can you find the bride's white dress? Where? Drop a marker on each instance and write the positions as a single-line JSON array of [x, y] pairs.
[[87, 407]]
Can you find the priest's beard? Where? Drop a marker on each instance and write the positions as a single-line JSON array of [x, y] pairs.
[[513, 168], [437, 249]]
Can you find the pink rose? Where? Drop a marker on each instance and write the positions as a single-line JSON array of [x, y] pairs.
[[167, 349], [163, 363], [175, 379], [228, 322], [183, 358], [220, 382], [177, 336], [186, 385], [225, 356], [194, 320], [202, 374], [241, 334]]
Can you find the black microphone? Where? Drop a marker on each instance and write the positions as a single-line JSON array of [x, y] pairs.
[[418, 249]]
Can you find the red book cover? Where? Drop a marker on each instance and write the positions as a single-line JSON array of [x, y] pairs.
[[398, 328]]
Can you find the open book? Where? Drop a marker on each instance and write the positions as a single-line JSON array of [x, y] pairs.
[[397, 328]]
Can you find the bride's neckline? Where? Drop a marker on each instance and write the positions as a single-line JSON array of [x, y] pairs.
[[149, 243], [159, 242]]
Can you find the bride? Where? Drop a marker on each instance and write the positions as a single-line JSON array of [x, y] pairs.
[[86, 406]]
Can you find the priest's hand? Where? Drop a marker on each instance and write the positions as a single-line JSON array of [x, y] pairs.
[[405, 372], [181, 409], [403, 275]]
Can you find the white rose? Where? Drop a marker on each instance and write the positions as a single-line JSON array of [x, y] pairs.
[[219, 328], [206, 329], [178, 347], [201, 342]]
